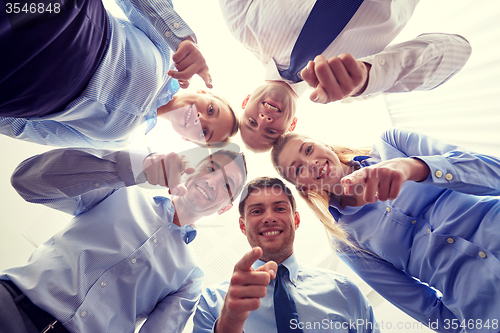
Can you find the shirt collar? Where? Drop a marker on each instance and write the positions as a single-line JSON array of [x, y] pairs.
[[187, 232], [272, 74], [290, 263]]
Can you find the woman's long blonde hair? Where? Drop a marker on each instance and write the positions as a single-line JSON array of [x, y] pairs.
[[319, 201]]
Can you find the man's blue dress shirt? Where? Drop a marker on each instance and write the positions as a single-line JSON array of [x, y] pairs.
[[119, 260], [443, 233], [326, 302], [126, 89]]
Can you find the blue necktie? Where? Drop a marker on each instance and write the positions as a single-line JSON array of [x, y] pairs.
[[284, 306], [326, 20]]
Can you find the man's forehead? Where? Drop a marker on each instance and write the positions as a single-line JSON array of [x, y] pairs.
[[268, 194]]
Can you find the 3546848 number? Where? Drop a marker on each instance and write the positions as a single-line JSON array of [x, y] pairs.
[[32, 8]]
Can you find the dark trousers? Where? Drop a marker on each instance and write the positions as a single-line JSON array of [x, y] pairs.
[[49, 50], [19, 315]]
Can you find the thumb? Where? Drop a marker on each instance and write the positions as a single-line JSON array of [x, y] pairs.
[[189, 170], [178, 191], [309, 75], [270, 267], [319, 95]]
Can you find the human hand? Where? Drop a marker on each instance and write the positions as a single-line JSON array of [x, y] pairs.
[[383, 181], [166, 170], [335, 78], [247, 287], [189, 61]]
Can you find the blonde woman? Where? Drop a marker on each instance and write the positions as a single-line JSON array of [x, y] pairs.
[[418, 219]]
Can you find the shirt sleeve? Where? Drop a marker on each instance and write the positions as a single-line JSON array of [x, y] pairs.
[[450, 166], [423, 63], [408, 294], [72, 180], [172, 313], [160, 15], [363, 312]]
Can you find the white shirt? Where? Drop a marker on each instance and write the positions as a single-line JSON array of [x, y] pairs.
[[269, 29]]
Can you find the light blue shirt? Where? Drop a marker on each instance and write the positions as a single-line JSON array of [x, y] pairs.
[[119, 260], [442, 232], [326, 302], [127, 88]]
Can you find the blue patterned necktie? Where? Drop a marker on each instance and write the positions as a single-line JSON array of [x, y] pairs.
[[326, 20], [284, 306]]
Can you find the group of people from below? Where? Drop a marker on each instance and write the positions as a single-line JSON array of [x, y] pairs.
[[414, 217]]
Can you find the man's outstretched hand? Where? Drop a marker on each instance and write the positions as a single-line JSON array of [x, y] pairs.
[[335, 78], [189, 61], [167, 170]]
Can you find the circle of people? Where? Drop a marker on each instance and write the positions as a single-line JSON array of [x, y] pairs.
[[412, 216]]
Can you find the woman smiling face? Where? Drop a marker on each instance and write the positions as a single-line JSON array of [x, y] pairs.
[[200, 117], [310, 164]]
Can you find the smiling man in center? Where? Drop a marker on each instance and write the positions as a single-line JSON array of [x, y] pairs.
[[268, 218]]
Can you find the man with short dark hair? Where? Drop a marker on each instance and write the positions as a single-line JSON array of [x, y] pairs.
[[322, 298], [125, 255]]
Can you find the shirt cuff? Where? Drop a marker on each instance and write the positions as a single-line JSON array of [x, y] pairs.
[[441, 170], [382, 75], [126, 172]]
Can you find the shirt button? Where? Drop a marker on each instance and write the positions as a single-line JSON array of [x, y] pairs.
[[450, 240], [414, 221], [168, 34], [482, 254], [103, 284], [96, 184], [83, 313], [428, 230], [293, 280], [448, 176], [176, 25], [169, 226], [155, 241], [381, 61], [438, 173], [388, 209], [134, 261]]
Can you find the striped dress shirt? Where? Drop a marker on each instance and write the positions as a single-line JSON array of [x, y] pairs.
[[126, 89], [269, 29]]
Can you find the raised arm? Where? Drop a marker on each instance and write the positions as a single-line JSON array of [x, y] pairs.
[[423, 63], [172, 313], [173, 29], [75, 180], [72, 180], [408, 294], [450, 166]]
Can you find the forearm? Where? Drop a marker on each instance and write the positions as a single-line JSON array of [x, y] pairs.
[[450, 166], [225, 324], [162, 16], [423, 63], [408, 294]]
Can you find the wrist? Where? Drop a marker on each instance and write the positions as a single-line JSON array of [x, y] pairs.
[[226, 324], [419, 170], [365, 84]]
